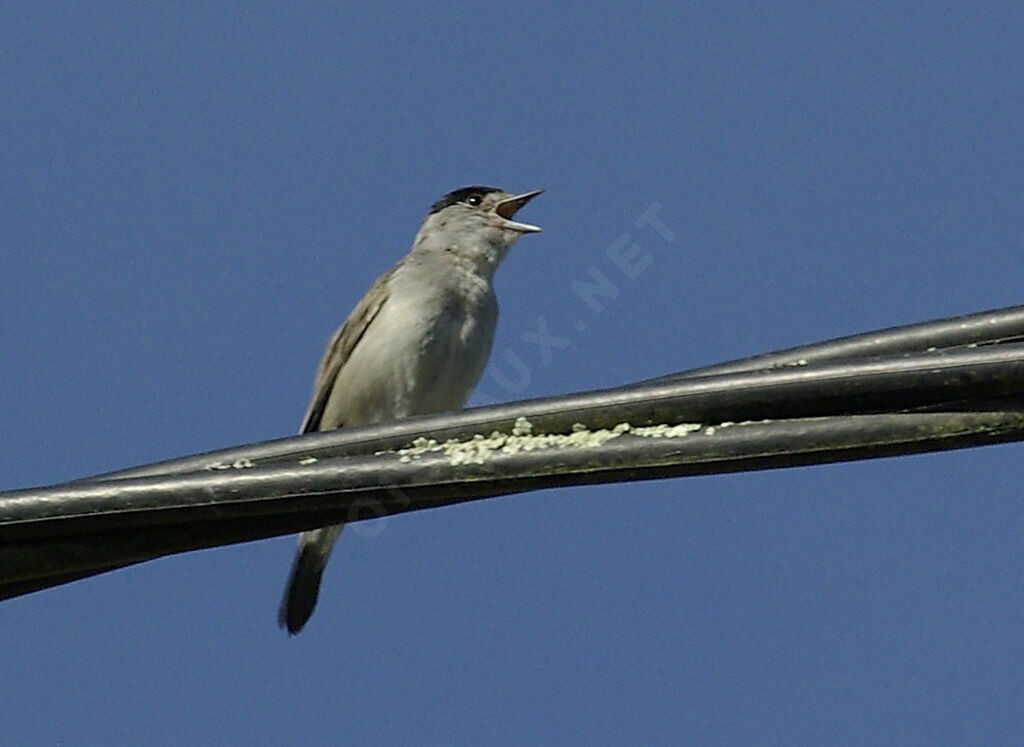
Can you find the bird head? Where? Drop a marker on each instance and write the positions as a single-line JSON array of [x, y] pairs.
[[475, 224]]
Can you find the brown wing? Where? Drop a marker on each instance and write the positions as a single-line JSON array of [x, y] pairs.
[[341, 347]]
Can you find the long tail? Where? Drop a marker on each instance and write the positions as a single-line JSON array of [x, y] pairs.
[[304, 582]]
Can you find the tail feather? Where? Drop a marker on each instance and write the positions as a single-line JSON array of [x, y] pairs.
[[303, 587]]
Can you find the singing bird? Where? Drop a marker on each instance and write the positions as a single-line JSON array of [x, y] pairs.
[[415, 344]]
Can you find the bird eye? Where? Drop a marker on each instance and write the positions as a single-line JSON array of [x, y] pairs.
[[474, 200]]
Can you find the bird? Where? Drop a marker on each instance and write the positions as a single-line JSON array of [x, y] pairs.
[[416, 344]]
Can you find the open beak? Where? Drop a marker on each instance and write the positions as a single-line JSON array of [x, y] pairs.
[[508, 207]]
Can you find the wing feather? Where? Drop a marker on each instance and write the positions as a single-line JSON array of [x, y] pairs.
[[340, 349]]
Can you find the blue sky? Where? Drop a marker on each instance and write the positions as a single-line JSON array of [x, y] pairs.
[[193, 197]]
